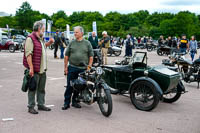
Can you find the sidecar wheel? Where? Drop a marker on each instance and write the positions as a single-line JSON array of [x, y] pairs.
[[105, 102], [173, 96], [144, 96]]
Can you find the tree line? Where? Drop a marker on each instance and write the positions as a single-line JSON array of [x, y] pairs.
[[140, 23]]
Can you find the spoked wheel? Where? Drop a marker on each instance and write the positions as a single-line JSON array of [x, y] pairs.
[[149, 48], [105, 102], [159, 52], [11, 48], [173, 96], [144, 96], [117, 53]]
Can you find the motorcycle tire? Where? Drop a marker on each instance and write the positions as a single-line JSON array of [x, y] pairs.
[[105, 99], [175, 97], [159, 52], [11, 48], [147, 92], [149, 49], [117, 53]]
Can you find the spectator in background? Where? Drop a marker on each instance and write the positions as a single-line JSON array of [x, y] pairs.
[[129, 44], [62, 46], [160, 41], [193, 47], [169, 41], [183, 44], [56, 43], [93, 40], [105, 44]]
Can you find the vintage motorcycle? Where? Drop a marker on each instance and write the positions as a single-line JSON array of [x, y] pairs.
[[151, 46], [114, 50], [92, 88], [190, 71], [165, 50]]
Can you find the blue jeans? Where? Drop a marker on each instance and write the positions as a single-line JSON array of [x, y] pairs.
[[72, 74], [128, 51], [182, 50], [62, 52], [192, 54]]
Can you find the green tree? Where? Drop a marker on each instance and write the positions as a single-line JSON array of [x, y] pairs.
[[24, 16]]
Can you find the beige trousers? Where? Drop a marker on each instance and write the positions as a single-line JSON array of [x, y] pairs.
[[104, 54]]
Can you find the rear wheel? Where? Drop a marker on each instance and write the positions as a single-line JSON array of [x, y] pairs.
[[105, 102], [144, 96], [11, 48]]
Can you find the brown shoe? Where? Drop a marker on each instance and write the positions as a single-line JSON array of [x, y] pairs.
[[44, 108], [32, 111]]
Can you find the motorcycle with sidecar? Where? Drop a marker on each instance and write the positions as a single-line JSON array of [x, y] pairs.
[[145, 85]]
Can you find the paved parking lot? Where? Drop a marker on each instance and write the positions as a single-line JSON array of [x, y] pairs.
[[180, 117]]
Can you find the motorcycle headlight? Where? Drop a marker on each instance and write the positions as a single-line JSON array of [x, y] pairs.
[[99, 70]]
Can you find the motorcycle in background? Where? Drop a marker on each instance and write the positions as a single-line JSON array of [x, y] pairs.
[[189, 70]]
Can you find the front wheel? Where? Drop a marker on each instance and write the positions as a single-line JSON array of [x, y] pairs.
[[105, 102], [11, 48], [144, 96], [149, 48], [159, 52], [173, 96], [117, 53]]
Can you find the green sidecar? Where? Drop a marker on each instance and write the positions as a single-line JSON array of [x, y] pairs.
[[145, 85]]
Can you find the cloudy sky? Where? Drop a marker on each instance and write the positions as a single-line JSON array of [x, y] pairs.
[[123, 6]]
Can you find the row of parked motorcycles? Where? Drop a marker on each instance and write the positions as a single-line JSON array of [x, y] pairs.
[[190, 71], [161, 50]]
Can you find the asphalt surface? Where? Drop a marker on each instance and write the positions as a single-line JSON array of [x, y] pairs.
[[180, 117]]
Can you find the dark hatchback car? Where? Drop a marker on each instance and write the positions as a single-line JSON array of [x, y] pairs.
[[145, 85]]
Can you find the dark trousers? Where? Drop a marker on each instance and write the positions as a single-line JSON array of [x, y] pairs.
[[39, 92], [55, 50], [128, 51], [72, 74], [62, 52], [192, 54]]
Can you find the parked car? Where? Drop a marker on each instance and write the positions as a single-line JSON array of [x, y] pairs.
[[7, 44], [145, 85]]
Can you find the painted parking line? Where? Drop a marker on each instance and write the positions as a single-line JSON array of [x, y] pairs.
[[19, 63], [50, 106], [8, 119], [52, 78]]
